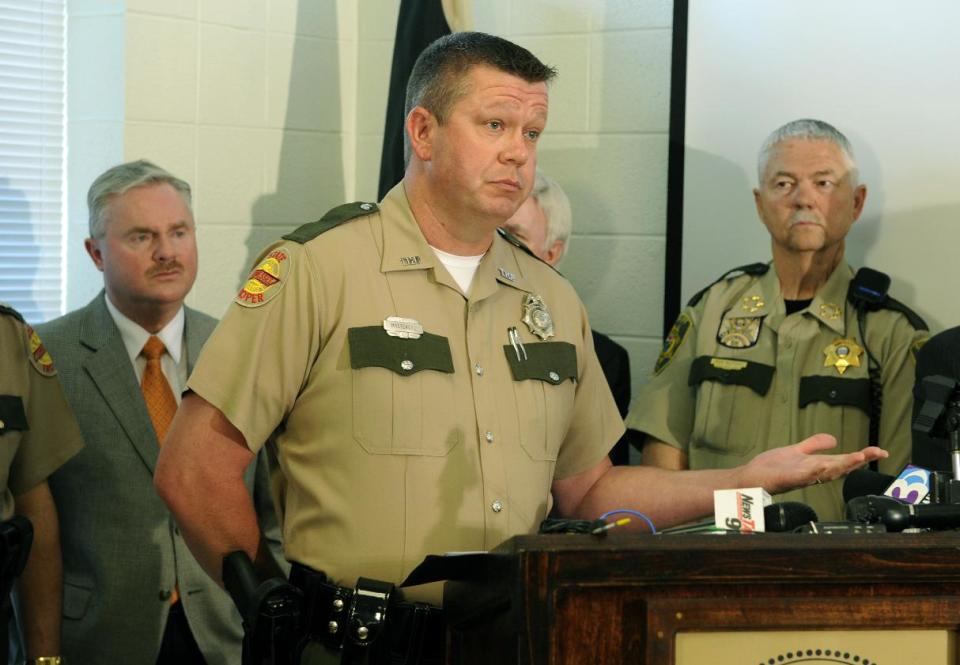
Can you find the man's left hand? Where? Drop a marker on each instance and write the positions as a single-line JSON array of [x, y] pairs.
[[800, 465]]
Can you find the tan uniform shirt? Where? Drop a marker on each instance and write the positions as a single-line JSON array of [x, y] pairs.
[[38, 432], [746, 377], [394, 448]]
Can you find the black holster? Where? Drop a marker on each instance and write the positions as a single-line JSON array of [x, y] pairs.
[[273, 631], [16, 538]]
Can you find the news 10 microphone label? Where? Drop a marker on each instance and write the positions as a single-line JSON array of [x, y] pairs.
[[740, 509]]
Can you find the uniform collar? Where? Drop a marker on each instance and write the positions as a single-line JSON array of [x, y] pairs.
[[405, 248], [830, 304], [764, 299]]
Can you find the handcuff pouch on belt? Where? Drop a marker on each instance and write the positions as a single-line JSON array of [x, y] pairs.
[[348, 619]]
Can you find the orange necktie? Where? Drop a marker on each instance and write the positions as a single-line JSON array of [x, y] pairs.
[[161, 404]]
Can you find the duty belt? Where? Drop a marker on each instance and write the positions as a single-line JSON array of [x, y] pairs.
[[369, 623]]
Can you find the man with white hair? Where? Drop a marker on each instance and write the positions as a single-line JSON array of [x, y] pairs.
[[763, 356], [543, 223]]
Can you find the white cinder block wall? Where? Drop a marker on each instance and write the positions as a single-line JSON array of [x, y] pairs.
[[274, 110]]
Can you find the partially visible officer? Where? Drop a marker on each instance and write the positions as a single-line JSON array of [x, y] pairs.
[[38, 433], [543, 223], [132, 591], [429, 385], [938, 357], [777, 352]]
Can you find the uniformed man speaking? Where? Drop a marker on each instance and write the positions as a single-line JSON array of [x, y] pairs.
[[426, 385], [778, 352]]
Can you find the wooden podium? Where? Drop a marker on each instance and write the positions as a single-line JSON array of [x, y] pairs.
[[576, 600]]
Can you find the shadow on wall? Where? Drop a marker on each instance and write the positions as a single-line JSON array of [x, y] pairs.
[[920, 281], [309, 172], [15, 220]]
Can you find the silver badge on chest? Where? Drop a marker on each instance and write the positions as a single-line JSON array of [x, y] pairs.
[[537, 317]]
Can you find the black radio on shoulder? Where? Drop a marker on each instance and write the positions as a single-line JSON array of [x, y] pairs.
[[868, 288]]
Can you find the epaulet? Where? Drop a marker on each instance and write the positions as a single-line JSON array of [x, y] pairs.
[[915, 319], [10, 311], [754, 269], [519, 244], [334, 218]]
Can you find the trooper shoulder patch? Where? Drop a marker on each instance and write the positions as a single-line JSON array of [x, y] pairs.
[[266, 280], [332, 219], [39, 357], [672, 342]]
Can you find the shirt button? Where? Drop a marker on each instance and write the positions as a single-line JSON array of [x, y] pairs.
[[787, 343], [165, 594], [488, 436], [478, 368], [496, 506], [783, 399]]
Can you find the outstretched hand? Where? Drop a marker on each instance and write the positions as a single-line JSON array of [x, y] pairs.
[[800, 465]]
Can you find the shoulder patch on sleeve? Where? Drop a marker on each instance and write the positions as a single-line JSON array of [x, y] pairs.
[[672, 342], [39, 357], [266, 279], [335, 217]]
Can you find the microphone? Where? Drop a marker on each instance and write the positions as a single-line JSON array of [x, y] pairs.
[[787, 516], [864, 482], [897, 516]]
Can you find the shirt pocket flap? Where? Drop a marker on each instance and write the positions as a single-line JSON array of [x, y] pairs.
[[371, 346], [551, 362], [835, 391], [755, 376], [12, 414]]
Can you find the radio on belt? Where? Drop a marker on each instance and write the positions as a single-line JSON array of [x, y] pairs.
[[740, 509]]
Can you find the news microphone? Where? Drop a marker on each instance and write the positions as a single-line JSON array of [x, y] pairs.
[[897, 516], [864, 482], [787, 516]]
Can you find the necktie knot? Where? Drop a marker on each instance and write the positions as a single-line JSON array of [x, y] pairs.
[[154, 348]]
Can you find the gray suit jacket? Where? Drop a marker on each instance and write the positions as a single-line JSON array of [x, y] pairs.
[[122, 551]]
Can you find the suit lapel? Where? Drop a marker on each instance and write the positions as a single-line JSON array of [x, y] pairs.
[[110, 370], [193, 337]]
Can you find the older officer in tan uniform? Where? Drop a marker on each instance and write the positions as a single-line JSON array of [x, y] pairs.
[[38, 433], [779, 352], [428, 385]]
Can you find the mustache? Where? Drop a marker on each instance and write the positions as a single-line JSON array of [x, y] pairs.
[[805, 217], [169, 266]]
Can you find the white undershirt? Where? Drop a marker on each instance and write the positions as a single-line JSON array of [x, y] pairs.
[[134, 337], [461, 268]]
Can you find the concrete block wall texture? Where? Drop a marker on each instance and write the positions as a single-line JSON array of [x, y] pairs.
[[274, 111]]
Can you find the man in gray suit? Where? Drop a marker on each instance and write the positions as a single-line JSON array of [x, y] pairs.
[[133, 593]]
